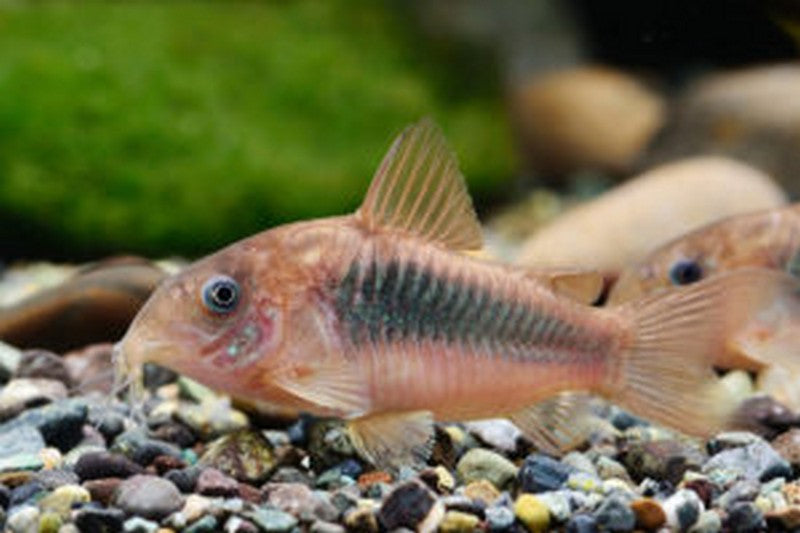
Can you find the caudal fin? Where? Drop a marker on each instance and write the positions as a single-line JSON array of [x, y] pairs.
[[666, 372]]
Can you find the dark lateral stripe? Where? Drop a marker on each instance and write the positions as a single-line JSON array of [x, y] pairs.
[[368, 288], [392, 301], [346, 304]]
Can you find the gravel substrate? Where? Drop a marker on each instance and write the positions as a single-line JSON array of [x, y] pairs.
[[195, 464]]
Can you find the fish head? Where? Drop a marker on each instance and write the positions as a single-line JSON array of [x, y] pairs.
[[768, 239], [221, 315], [665, 268]]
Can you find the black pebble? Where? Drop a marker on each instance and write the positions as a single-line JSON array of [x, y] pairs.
[[581, 523], [614, 514], [97, 465], [63, 428], [541, 473], [777, 469], [24, 492], [152, 449], [143, 449], [99, 520], [298, 432], [744, 517], [351, 468], [155, 376], [185, 478], [61, 424], [174, 433], [764, 416], [687, 515], [5, 496], [406, 506], [108, 423], [623, 420]]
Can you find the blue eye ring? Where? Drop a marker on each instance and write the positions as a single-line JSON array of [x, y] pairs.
[[685, 272], [221, 294]]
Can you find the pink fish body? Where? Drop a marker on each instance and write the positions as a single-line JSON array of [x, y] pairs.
[[380, 318], [769, 344], [763, 239]]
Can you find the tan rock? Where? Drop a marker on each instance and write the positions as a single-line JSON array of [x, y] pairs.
[[788, 446], [625, 223], [750, 114], [791, 492], [585, 117], [483, 491]]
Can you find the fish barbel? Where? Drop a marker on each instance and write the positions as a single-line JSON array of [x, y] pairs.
[[769, 344], [381, 319]]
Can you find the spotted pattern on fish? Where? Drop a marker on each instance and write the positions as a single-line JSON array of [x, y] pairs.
[[394, 301]]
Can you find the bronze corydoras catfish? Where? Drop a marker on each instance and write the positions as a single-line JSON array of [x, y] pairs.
[[380, 318]]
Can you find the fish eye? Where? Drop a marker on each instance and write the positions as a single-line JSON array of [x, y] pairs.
[[221, 294], [685, 272]]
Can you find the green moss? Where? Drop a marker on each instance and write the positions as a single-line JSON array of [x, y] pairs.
[[178, 127]]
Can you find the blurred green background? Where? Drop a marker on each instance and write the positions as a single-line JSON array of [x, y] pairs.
[[173, 128]]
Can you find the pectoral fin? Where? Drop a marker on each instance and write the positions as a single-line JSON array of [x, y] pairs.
[[328, 382], [770, 338], [333, 389], [782, 384], [389, 440], [741, 354], [558, 424], [780, 353]]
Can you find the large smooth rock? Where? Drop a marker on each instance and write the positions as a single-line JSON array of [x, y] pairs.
[[749, 114], [650, 209], [592, 117], [95, 305]]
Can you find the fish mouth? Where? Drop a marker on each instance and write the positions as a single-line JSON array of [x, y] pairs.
[[128, 353], [128, 357]]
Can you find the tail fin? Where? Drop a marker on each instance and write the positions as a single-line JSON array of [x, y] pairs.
[[666, 373]]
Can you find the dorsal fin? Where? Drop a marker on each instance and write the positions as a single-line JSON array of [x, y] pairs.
[[582, 285], [418, 190]]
